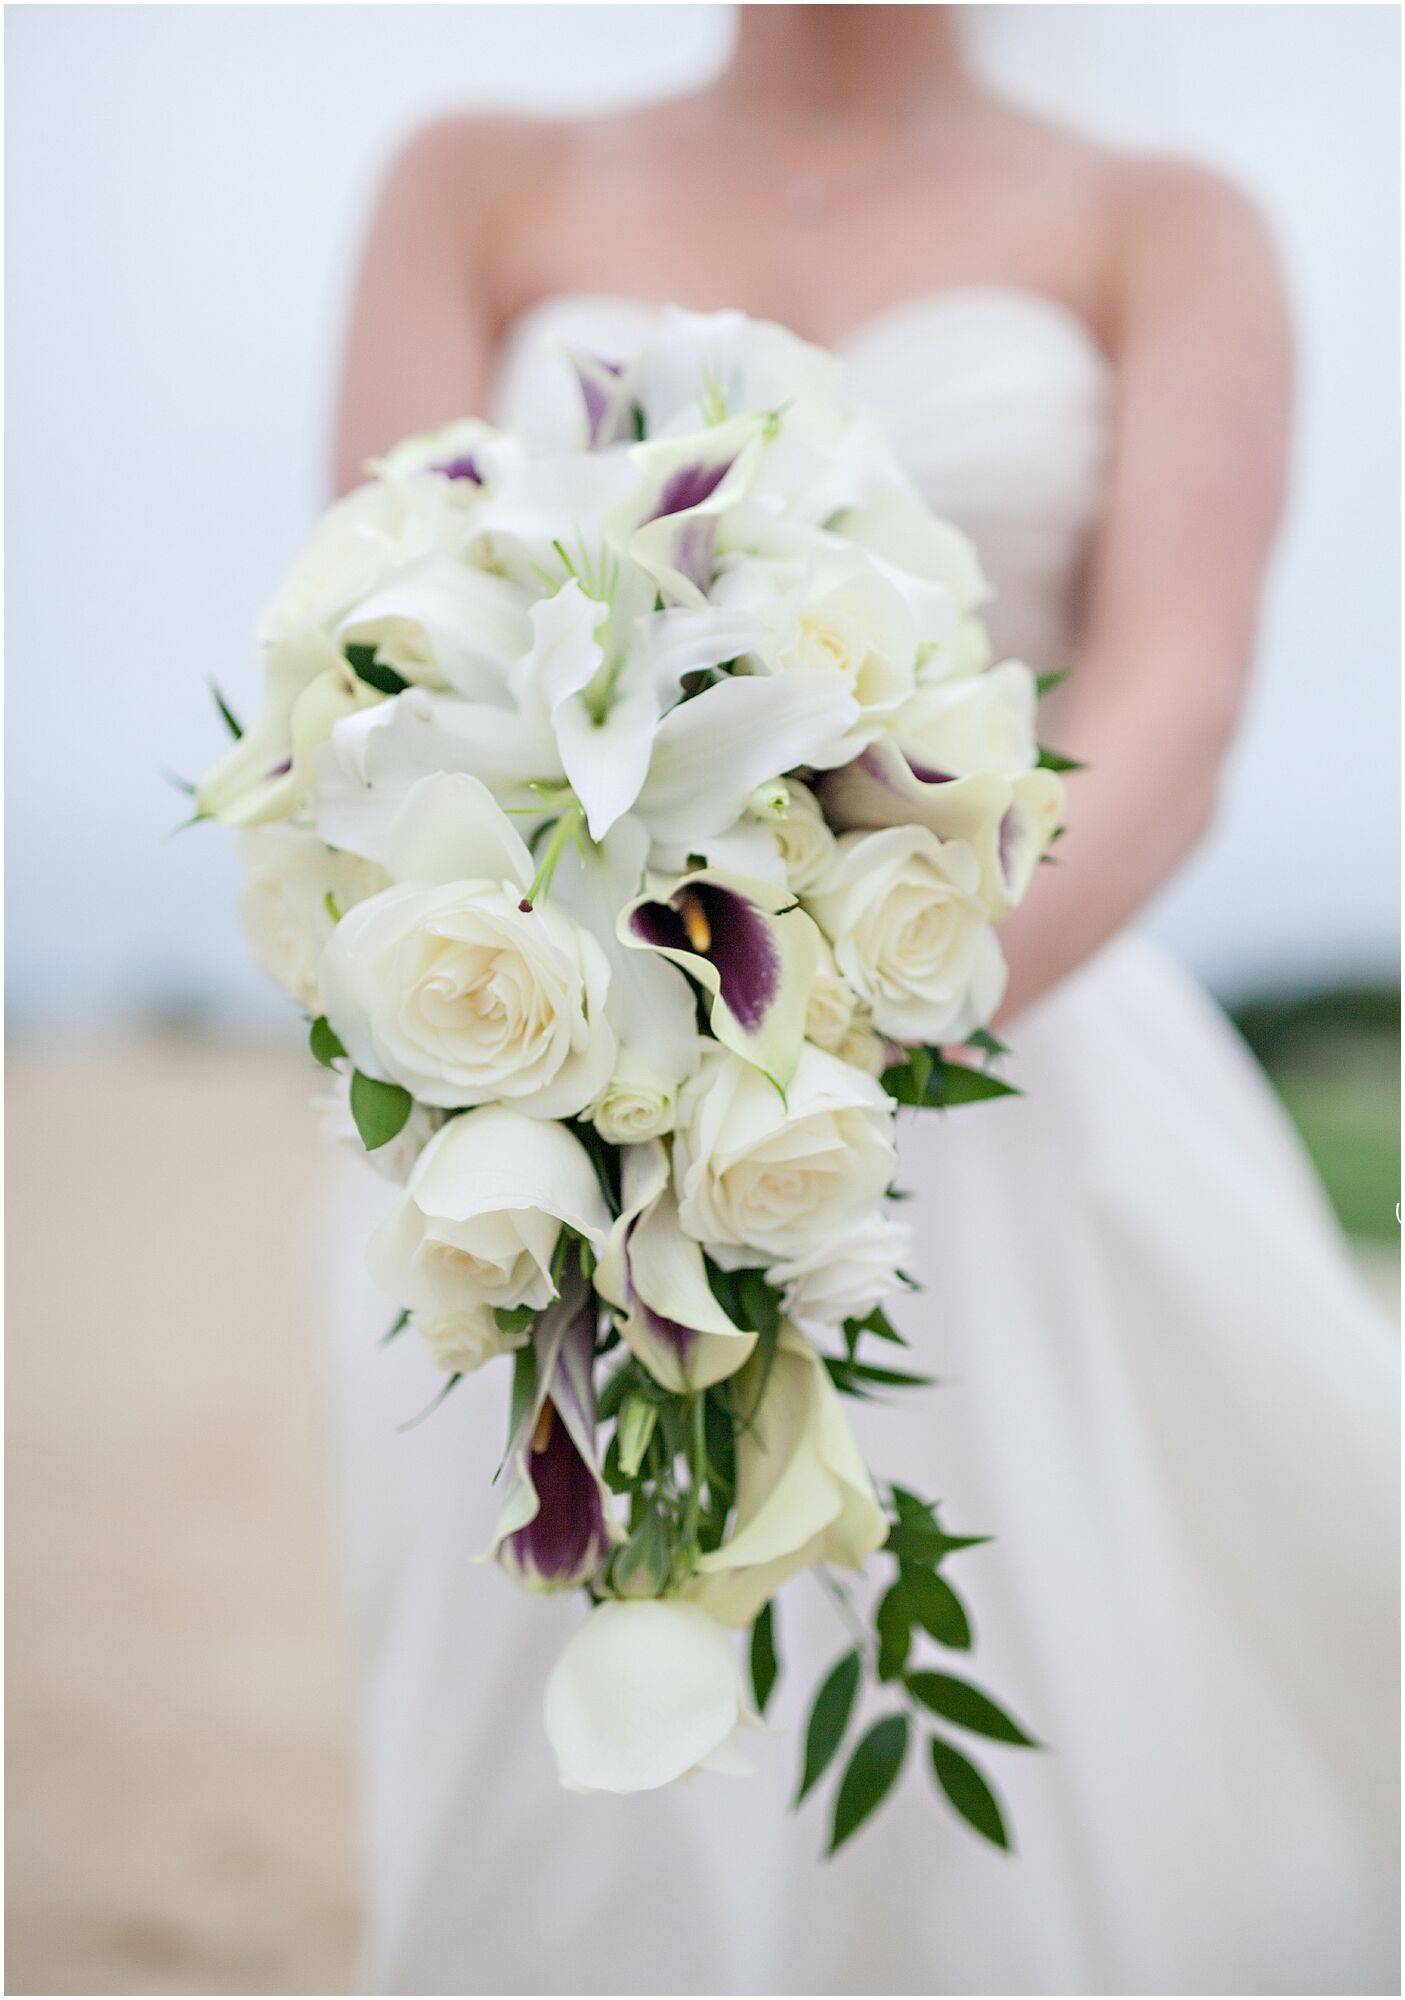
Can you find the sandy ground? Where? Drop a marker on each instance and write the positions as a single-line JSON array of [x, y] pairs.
[[179, 1796], [179, 1786]]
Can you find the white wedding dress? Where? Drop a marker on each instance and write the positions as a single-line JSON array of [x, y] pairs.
[[1162, 1392]]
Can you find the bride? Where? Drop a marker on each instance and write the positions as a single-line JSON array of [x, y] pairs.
[[1163, 1391]]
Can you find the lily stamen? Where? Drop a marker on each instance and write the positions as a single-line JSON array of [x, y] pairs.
[[689, 906]]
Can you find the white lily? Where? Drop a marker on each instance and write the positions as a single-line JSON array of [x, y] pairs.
[[654, 1273], [803, 1492], [445, 624]]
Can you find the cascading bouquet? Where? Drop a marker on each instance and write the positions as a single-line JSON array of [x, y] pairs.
[[631, 813]]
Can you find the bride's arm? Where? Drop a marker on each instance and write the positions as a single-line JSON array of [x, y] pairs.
[[421, 333], [1201, 349]]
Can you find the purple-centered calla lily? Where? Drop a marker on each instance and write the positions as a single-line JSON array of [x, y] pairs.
[[751, 946], [653, 1272], [553, 1530], [1009, 822], [606, 394], [688, 485]]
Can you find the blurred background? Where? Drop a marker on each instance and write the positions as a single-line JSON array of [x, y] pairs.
[[186, 192]]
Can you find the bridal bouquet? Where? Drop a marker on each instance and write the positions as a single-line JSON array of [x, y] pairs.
[[631, 813]]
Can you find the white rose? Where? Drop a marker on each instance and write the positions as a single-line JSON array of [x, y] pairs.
[[803, 837], [832, 617], [864, 1048], [760, 1179], [460, 1342], [848, 1276], [968, 727], [636, 1104], [904, 913], [829, 1012], [478, 1222], [289, 873], [645, 1693]]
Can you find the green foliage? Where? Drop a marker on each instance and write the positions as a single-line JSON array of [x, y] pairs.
[[968, 1791], [397, 1325], [765, 1662], [871, 1775], [1054, 760], [929, 1081], [829, 1718], [324, 1042], [957, 1701], [227, 714], [380, 1110], [366, 667], [893, 1624], [1046, 683], [512, 1320]]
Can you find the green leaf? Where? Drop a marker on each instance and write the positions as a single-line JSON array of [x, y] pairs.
[[638, 1419], [231, 723], [380, 1110], [615, 1391], [872, 1771], [760, 1304], [397, 1325], [829, 1718], [324, 1042], [989, 1044], [1046, 683], [963, 1085], [524, 1387], [513, 1320], [1054, 760], [765, 1663], [966, 1706], [894, 1628], [968, 1792], [934, 1605], [366, 667], [865, 1371], [878, 1324]]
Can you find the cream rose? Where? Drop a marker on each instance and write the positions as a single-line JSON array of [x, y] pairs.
[[452, 984], [803, 837], [461, 1342], [478, 1223], [829, 1012], [289, 875], [636, 1104], [846, 1277], [904, 914], [759, 1178]]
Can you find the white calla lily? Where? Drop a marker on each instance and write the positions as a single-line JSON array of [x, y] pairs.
[[689, 485], [643, 1694], [804, 1495], [653, 1271], [269, 773]]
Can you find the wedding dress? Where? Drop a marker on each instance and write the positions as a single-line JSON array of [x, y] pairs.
[[1162, 1392]]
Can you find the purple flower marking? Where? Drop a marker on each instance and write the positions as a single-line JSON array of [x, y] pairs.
[[1007, 841], [730, 933], [689, 487], [463, 467], [926, 775], [565, 1540]]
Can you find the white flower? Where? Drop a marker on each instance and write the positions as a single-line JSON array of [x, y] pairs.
[[460, 1342], [636, 1104], [479, 1219], [965, 727], [829, 1014], [802, 834], [829, 615], [644, 1693], [760, 1178], [289, 874], [803, 1493], [447, 985], [848, 1276], [864, 1049], [903, 912]]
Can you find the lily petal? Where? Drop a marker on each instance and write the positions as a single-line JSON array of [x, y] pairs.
[[750, 945], [253, 780], [690, 483], [446, 623], [451, 829]]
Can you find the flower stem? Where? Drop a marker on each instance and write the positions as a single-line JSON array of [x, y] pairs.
[[562, 832]]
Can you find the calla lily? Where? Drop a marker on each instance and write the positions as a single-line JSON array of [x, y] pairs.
[[445, 623], [553, 1529], [654, 1273], [689, 484], [705, 367], [451, 451], [1008, 822], [308, 688], [749, 944], [803, 1493], [607, 396], [644, 1693]]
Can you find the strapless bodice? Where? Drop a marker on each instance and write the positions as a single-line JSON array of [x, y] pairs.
[[995, 400]]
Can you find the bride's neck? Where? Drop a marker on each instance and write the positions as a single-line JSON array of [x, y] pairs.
[[837, 61]]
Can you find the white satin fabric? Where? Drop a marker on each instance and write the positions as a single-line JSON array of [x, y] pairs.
[[1163, 1392]]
